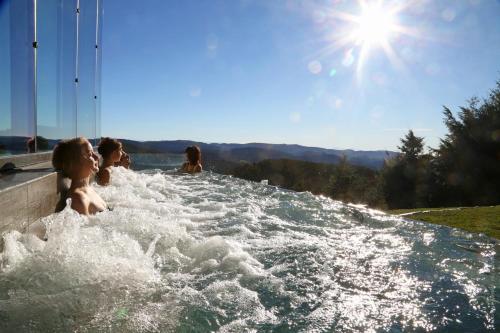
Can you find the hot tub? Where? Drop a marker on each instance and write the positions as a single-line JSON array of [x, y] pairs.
[[182, 253]]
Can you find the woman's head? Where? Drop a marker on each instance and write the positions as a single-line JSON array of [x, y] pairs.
[[124, 161], [75, 158], [193, 154], [110, 149]]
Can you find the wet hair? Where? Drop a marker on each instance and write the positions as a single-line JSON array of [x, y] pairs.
[[67, 153], [107, 146], [193, 154]]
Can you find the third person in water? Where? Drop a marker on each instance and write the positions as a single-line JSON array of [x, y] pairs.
[[193, 164]]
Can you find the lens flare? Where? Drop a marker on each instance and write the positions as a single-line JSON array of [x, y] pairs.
[[375, 26]]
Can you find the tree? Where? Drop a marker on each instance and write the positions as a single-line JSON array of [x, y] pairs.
[[412, 146], [403, 177], [467, 162]]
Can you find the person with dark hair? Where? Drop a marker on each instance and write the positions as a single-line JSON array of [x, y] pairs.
[[124, 161], [41, 143], [76, 159], [193, 164], [111, 152]]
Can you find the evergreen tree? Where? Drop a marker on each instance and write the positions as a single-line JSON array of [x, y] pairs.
[[467, 162], [403, 176], [412, 146]]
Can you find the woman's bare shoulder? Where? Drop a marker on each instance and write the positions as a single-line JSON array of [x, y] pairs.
[[80, 202]]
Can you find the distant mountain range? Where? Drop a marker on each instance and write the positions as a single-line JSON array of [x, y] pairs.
[[256, 152], [220, 153]]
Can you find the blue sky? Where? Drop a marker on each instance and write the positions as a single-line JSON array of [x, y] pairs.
[[276, 71]]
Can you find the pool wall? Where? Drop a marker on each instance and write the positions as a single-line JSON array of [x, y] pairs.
[[28, 190]]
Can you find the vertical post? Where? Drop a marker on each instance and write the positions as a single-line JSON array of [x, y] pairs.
[[60, 64], [35, 83], [76, 64], [95, 68]]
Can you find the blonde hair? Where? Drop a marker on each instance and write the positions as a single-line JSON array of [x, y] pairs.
[[68, 153]]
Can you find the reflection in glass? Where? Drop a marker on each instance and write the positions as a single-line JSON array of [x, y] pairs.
[[56, 56], [86, 105], [49, 73], [98, 68], [17, 105]]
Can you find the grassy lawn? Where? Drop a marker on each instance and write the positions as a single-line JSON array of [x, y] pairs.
[[475, 219]]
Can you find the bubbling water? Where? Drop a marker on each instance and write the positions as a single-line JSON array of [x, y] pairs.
[[181, 253]]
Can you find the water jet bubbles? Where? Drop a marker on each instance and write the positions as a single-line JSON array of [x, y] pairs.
[[348, 58], [314, 67], [448, 14]]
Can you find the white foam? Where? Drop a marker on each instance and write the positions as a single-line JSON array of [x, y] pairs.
[[230, 254]]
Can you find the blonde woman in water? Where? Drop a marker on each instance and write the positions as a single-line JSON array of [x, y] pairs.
[[76, 159]]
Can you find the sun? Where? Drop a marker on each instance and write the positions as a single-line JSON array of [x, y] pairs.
[[375, 25]]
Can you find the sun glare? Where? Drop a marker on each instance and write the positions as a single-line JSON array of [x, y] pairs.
[[375, 26]]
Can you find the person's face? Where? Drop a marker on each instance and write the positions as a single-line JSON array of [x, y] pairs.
[[126, 161], [89, 162], [116, 155]]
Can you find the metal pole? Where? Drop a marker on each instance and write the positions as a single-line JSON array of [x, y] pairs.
[[35, 46], [76, 64], [95, 69]]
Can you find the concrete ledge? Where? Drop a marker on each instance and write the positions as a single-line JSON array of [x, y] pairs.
[[24, 204], [24, 159], [29, 190]]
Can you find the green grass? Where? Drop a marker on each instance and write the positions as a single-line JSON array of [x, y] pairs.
[[474, 219]]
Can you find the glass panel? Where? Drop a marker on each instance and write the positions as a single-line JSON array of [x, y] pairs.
[[86, 110], [99, 69], [56, 55], [17, 116]]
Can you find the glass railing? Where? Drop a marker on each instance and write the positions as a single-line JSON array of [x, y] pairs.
[[50, 62]]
